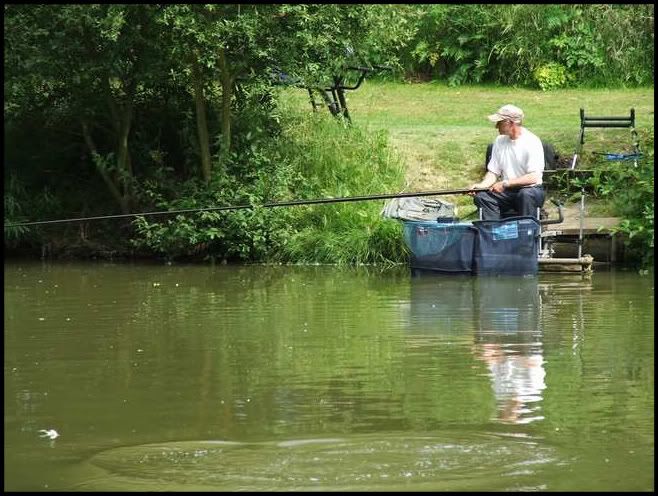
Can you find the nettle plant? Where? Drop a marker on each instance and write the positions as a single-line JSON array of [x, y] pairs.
[[550, 76]]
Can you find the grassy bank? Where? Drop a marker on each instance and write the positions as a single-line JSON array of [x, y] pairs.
[[404, 137], [442, 132], [337, 161]]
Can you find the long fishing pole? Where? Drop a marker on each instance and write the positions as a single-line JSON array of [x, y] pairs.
[[290, 203]]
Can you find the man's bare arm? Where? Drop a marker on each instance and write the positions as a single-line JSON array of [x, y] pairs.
[[525, 180], [488, 180]]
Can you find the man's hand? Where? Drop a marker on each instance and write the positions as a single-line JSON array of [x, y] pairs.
[[472, 187], [497, 187], [487, 181]]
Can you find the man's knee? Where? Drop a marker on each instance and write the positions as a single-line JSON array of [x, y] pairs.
[[532, 196], [481, 198]]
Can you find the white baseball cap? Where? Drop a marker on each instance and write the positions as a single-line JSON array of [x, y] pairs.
[[507, 113]]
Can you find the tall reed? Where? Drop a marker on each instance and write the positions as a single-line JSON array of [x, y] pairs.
[[339, 160]]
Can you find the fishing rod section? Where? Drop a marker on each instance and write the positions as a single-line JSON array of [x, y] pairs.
[[291, 203]]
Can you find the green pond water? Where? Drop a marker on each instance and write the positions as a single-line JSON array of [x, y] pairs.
[[260, 378]]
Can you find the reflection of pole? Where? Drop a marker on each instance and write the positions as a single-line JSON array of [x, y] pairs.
[[579, 330], [540, 312], [582, 220]]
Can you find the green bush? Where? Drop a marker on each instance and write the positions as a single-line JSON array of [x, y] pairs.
[[631, 191], [315, 156], [242, 235], [550, 76], [597, 44]]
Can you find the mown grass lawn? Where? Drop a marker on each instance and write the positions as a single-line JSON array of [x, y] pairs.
[[442, 132]]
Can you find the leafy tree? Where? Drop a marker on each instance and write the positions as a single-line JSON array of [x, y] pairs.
[[87, 64]]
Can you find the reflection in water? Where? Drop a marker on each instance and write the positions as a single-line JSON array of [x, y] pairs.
[[503, 314], [285, 378], [508, 338]]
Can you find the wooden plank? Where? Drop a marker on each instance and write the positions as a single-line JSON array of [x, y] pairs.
[[571, 223], [582, 264]]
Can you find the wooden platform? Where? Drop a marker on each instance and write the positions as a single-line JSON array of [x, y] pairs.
[[598, 240], [571, 224], [582, 264]]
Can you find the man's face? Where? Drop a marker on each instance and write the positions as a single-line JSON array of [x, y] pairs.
[[504, 127]]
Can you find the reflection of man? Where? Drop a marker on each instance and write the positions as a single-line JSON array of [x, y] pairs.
[[517, 381], [509, 342]]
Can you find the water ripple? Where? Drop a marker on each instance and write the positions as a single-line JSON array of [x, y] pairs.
[[454, 461]]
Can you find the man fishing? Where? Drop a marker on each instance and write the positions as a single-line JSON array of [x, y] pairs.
[[514, 172]]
